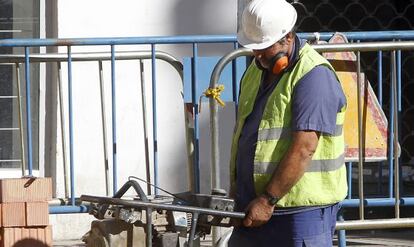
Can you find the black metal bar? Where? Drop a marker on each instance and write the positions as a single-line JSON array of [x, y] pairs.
[[148, 239], [178, 208], [194, 220]]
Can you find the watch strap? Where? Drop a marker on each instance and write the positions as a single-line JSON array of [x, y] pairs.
[[272, 200]]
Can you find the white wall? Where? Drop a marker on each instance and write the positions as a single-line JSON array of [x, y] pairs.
[[104, 18]]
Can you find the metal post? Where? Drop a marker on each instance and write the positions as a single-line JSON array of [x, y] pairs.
[[349, 165], [114, 147], [71, 150], [196, 168], [341, 233], [148, 227], [399, 97], [391, 139], [234, 81], [104, 131], [62, 130], [395, 133], [28, 109], [379, 89], [19, 104], [379, 78], [360, 140], [144, 123], [191, 237], [154, 117]]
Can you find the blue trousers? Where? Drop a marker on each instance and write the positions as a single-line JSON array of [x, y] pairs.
[[313, 228]]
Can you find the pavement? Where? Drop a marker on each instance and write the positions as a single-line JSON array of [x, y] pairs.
[[374, 238]]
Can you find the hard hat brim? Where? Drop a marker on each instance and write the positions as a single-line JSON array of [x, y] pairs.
[[250, 44]]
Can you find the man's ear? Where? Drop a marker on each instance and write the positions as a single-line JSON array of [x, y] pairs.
[[290, 37]]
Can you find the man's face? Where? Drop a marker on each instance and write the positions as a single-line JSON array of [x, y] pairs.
[[264, 56]]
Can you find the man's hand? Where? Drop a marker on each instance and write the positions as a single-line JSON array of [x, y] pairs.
[[258, 212]]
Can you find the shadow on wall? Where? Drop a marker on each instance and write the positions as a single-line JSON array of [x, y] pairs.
[[209, 17], [204, 17]]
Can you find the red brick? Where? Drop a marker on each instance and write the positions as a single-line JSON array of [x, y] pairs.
[[37, 214], [25, 189], [13, 214], [26, 237]]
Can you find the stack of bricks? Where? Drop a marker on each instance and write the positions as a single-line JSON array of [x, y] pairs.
[[24, 212]]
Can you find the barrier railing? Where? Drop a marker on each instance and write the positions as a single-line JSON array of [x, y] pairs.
[[69, 57], [99, 57], [113, 56]]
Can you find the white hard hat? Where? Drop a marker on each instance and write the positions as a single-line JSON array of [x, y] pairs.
[[264, 22]]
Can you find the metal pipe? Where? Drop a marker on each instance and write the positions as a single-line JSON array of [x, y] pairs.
[[399, 80], [196, 135], [62, 130], [104, 130], [144, 123], [213, 114], [349, 178], [184, 39], [68, 209], [113, 100], [58, 202], [7, 129], [361, 145], [93, 56], [71, 149], [375, 224], [341, 233], [65, 201], [28, 109], [159, 206], [215, 75], [366, 46], [154, 118], [371, 35], [21, 131], [395, 133], [391, 140], [235, 83], [379, 78], [191, 236], [148, 227]]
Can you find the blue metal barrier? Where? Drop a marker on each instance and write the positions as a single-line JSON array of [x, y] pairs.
[[194, 40]]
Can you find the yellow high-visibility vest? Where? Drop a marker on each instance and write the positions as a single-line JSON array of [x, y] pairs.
[[324, 182]]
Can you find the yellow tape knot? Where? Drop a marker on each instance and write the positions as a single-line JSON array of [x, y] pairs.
[[215, 94]]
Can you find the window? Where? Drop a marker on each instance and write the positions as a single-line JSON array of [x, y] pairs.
[[18, 19]]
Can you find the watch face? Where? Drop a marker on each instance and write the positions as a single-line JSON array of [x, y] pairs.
[[273, 200]]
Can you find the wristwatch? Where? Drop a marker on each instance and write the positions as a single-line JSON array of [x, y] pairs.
[[272, 200]]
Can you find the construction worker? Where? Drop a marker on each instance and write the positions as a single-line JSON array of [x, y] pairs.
[[287, 162]]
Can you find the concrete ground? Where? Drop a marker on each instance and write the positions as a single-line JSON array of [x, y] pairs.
[[377, 238]]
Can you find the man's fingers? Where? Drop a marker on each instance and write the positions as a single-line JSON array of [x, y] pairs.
[[248, 220], [236, 222]]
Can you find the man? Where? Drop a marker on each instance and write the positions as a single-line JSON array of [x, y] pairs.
[[287, 162]]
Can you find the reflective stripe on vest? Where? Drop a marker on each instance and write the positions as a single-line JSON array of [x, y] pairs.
[[314, 166], [286, 133]]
